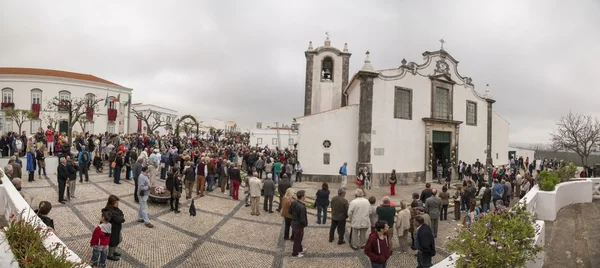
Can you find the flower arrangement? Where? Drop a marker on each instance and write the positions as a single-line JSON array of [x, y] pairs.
[[26, 236], [159, 189], [505, 238]]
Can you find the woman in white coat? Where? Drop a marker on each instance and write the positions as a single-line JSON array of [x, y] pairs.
[[358, 212]]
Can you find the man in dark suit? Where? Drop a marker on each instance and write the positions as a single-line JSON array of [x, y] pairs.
[[63, 176], [424, 243]]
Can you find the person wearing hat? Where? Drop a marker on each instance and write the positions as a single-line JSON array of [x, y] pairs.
[[339, 214]]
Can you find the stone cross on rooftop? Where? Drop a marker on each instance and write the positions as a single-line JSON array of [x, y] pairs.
[[442, 42]]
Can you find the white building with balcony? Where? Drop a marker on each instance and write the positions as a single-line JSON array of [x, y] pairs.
[[273, 137], [31, 89], [162, 118], [226, 126]]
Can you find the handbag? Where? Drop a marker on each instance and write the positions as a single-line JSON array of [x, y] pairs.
[[358, 183], [176, 194], [141, 193], [113, 164]]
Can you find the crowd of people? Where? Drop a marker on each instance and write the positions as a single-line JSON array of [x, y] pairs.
[[197, 165]]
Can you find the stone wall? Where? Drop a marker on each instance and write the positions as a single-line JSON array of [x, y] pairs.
[[378, 179], [381, 179]]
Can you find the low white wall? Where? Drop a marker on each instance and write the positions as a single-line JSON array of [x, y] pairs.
[[596, 188], [566, 193], [13, 203]]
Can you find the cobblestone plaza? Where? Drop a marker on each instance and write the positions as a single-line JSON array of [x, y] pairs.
[[223, 234]]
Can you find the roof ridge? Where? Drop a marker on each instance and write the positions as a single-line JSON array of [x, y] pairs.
[[54, 73]]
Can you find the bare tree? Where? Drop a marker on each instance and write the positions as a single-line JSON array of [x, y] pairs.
[[51, 118], [82, 120], [577, 133], [152, 119], [74, 109], [19, 116]]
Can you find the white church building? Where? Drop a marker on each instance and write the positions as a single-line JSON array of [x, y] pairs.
[[403, 118]]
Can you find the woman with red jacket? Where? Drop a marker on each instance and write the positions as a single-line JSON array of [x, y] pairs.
[[377, 247]]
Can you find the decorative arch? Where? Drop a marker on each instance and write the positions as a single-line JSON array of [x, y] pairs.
[[188, 118]]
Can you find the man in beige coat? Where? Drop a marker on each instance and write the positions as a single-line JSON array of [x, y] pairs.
[[402, 225], [358, 212], [255, 185]]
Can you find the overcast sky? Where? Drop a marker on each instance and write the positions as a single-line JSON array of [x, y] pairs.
[[244, 60]]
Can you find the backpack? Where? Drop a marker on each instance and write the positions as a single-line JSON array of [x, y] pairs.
[[340, 170], [85, 158]]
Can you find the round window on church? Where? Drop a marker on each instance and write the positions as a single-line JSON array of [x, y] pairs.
[[326, 144]]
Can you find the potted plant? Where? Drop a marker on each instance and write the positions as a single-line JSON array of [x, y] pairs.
[[502, 239], [159, 195], [26, 237]]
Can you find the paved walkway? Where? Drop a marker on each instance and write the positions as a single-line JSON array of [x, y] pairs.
[[573, 239], [222, 234]]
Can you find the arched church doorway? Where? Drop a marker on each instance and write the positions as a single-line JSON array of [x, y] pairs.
[[441, 151]]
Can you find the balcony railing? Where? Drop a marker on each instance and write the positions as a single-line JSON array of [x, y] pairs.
[[8, 105], [35, 108], [112, 115], [11, 202]]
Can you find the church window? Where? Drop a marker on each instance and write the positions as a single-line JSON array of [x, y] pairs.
[[259, 141], [403, 103], [471, 113], [290, 141], [326, 144], [274, 141], [441, 103], [327, 69], [326, 158]]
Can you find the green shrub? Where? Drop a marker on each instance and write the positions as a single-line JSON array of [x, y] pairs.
[[567, 172], [547, 180], [26, 238], [504, 239]]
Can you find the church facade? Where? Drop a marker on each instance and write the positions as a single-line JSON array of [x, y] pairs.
[[404, 118]]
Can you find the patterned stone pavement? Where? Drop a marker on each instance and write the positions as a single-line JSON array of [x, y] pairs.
[[223, 234], [573, 239]]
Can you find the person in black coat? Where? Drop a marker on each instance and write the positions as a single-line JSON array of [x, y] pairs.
[[424, 242], [284, 184], [63, 175], [119, 163], [173, 182], [116, 219], [73, 167]]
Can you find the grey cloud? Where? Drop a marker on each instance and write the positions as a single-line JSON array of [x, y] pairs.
[[244, 60]]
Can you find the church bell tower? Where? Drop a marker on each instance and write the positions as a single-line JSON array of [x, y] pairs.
[[327, 71]]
